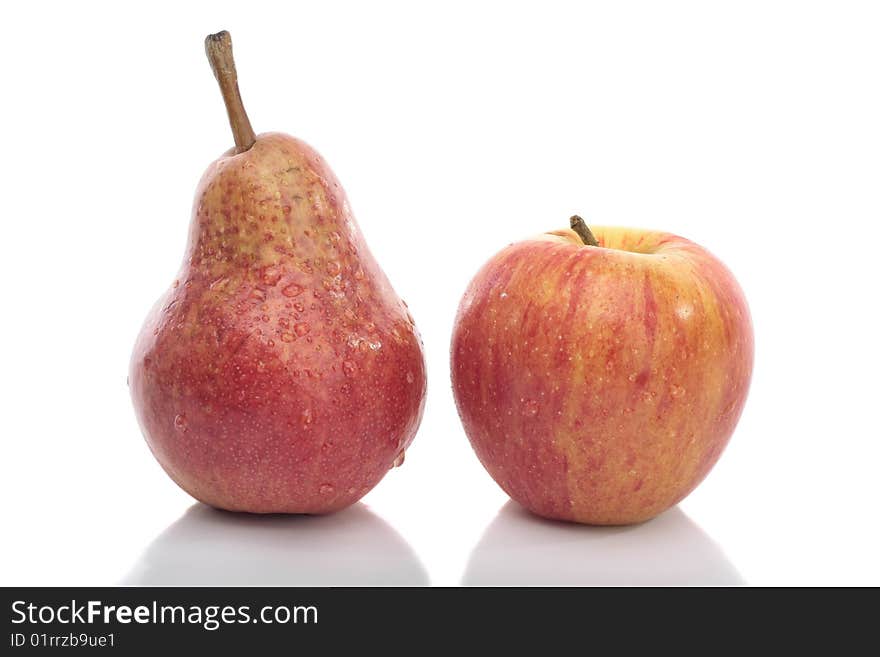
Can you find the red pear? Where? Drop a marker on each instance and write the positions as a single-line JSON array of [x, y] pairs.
[[281, 372]]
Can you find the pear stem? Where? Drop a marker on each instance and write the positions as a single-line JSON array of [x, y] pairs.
[[579, 226], [218, 47]]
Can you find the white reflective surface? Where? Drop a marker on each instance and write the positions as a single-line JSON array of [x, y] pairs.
[[519, 548], [210, 547]]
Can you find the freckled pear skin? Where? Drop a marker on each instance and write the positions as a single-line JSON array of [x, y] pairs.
[[600, 385], [280, 373]]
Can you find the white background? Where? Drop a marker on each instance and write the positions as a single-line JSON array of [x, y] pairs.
[[752, 128]]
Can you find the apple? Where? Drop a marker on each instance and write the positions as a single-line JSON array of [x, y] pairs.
[[599, 375]]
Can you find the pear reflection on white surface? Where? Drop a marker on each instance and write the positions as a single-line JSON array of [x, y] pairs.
[[521, 549], [353, 547]]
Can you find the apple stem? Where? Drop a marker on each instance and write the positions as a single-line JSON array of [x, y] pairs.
[[218, 47], [579, 226]]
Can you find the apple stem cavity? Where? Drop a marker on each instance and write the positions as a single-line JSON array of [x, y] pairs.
[[218, 47], [579, 226]]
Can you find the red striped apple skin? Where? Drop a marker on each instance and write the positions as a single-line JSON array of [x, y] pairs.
[[601, 384]]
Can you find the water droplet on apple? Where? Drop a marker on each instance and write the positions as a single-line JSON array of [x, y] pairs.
[[333, 268], [180, 422], [409, 377], [306, 418], [287, 337], [301, 328]]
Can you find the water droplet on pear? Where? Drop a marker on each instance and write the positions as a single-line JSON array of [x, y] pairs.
[[292, 290], [180, 422]]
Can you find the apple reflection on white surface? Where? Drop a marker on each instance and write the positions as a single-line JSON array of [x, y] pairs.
[[521, 549], [209, 547]]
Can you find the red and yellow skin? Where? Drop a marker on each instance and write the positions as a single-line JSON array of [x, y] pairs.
[[280, 373], [600, 384]]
